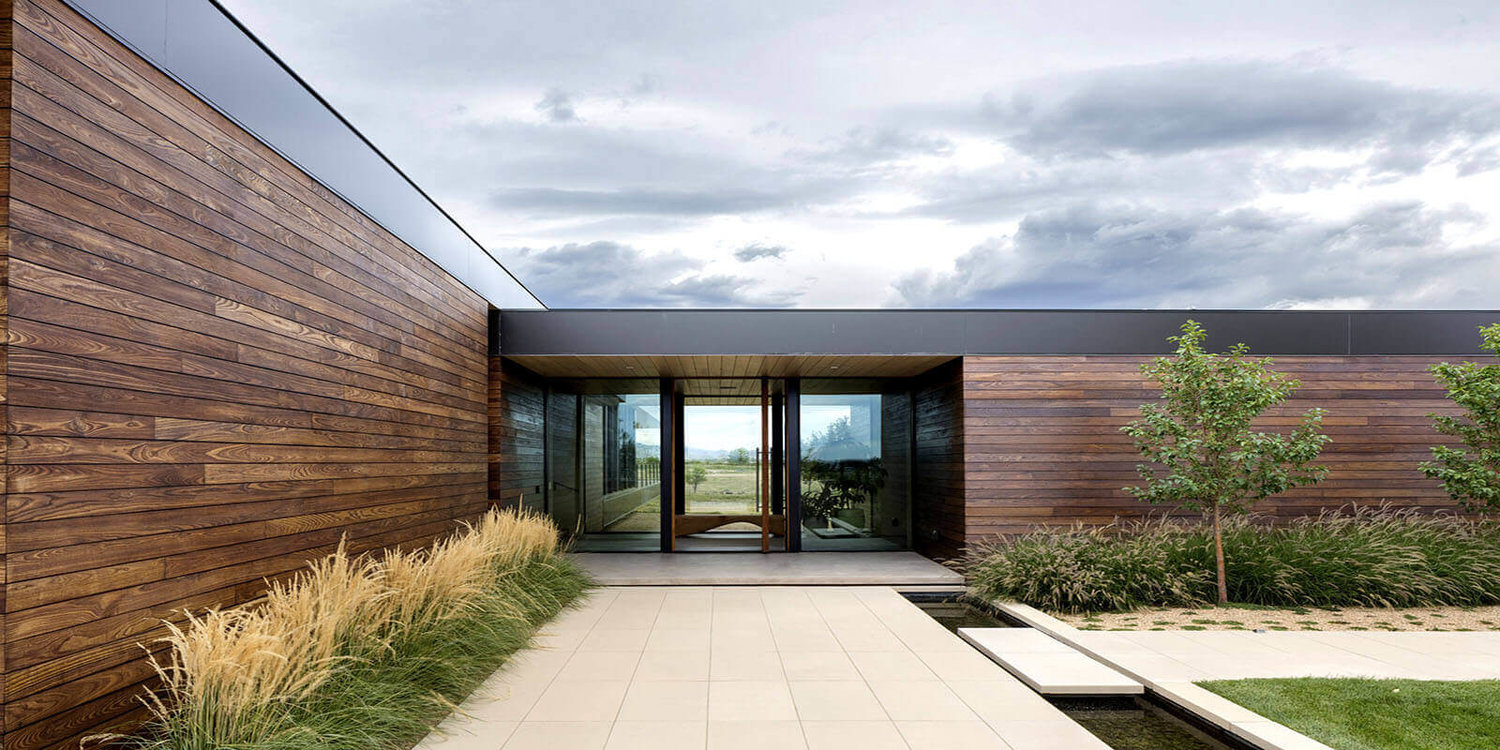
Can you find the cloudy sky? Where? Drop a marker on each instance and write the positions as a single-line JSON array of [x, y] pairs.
[[939, 154]]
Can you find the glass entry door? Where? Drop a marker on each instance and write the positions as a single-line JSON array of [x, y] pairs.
[[731, 475]]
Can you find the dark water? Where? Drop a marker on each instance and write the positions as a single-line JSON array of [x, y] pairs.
[[955, 614], [1134, 724]]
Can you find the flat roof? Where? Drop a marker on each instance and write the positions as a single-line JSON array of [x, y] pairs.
[[207, 50], [893, 332]]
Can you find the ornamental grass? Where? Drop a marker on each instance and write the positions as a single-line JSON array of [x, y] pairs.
[[1354, 557], [363, 651]]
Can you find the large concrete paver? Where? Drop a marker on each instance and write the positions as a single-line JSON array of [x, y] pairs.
[[1048, 665], [704, 668]]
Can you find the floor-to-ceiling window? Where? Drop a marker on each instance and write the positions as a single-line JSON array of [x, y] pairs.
[[604, 460], [856, 451]]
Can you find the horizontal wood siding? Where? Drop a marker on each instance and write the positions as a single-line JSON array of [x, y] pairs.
[[5, 87], [517, 406], [1042, 440], [938, 512], [217, 369]]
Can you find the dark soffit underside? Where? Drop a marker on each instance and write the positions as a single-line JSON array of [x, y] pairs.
[[948, 333]]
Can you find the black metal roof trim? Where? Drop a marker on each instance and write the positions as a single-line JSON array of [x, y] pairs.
[[978, 332]]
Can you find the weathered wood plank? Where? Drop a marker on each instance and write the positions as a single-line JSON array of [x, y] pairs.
[[214, 370]]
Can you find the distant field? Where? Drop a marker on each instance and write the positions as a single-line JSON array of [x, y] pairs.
[[729, 488]]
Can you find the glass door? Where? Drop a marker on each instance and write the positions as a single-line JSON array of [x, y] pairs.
[[732, 473]]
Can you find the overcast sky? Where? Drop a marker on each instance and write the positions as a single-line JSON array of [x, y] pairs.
[[939, 154]]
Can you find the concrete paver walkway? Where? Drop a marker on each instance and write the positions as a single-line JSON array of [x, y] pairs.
[[821, 668], [1190, 656]]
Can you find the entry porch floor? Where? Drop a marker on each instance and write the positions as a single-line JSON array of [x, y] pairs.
[[898, 569]]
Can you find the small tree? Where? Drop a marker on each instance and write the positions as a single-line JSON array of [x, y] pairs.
[[1205, 455], [1471, 474], [696, 475]]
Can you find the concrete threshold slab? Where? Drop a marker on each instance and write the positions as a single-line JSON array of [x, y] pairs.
[[1047, 665], [903, 570]]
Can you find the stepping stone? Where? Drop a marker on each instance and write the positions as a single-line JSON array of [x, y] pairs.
[[1046, 665]]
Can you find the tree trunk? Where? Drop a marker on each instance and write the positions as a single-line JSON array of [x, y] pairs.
[[1219, 559]]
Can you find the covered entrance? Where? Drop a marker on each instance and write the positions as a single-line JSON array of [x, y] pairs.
[[730, 466], [727, 462]]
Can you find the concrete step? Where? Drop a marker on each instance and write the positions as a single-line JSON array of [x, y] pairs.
[[1047, 665]]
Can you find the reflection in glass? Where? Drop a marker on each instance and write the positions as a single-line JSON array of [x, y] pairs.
[[621, 463], [854, 452], [604, 455]]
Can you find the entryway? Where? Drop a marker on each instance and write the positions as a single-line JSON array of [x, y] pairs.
[[730, 464], [730, 493]]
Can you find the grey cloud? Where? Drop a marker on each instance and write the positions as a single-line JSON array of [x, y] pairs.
[[1188, 106], [873, 145], [635, 201], [1012, 190], [611, 274], [1194, 136], [1482, 160], [557, 105], [646, 84], [757, 251], [1128, 256], [509, 152]]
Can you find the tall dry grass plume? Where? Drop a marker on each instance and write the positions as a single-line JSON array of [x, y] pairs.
[[233, 673]]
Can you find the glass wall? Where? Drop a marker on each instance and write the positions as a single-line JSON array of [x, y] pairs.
[[604, 460], [856, 448]]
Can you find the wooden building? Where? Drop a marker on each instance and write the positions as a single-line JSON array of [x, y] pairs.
[[236, 334]]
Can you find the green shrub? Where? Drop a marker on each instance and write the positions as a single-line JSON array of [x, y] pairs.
[[1471, 471], [1380, 557]]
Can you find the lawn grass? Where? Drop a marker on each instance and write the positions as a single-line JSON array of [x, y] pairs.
[[1364, 714]]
